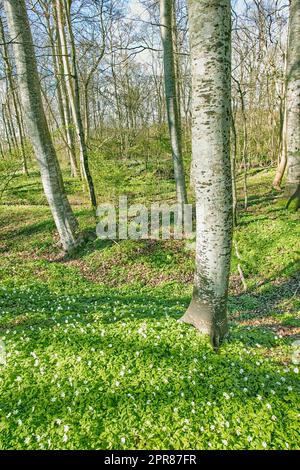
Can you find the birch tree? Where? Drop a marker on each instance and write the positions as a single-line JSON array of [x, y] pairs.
[[31, 99], [293, 104], [210, 37], [171, 91]]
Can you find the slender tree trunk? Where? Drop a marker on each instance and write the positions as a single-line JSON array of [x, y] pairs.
[[176, 51], [245, 143], [210, 36], [11, 117], [123, 148], [6, 127], [23, 128], [293, 105], [30, 93], [63, 105], [90, 77], [283, 160], [68, 123], [73, 92], [1, 150], [10, 124], [166, 20], [86, 112], [233, 170]]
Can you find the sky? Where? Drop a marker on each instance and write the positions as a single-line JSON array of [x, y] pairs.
[[137, 10]]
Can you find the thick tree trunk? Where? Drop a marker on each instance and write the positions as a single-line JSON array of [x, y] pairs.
[[210, 36], [166, 20], [293, 104], [30, 93]]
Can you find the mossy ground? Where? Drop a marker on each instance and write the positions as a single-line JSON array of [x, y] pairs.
[[95, 356]]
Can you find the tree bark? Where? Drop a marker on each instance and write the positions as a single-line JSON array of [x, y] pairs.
[[293, 104], [31, 98], [210, 36], [166, 21]]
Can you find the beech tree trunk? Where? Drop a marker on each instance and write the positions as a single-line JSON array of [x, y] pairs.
[[166, 21], [210, 36], [31, 98], [293, 104]]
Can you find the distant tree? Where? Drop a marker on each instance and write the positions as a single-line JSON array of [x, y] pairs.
[[14, 95], [210, 37], [172, 99], [31, 98]]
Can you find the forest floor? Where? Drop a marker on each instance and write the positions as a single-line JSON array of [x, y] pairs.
[[95, 358]]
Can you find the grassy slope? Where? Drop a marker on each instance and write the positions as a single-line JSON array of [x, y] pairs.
[[96, 358]]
